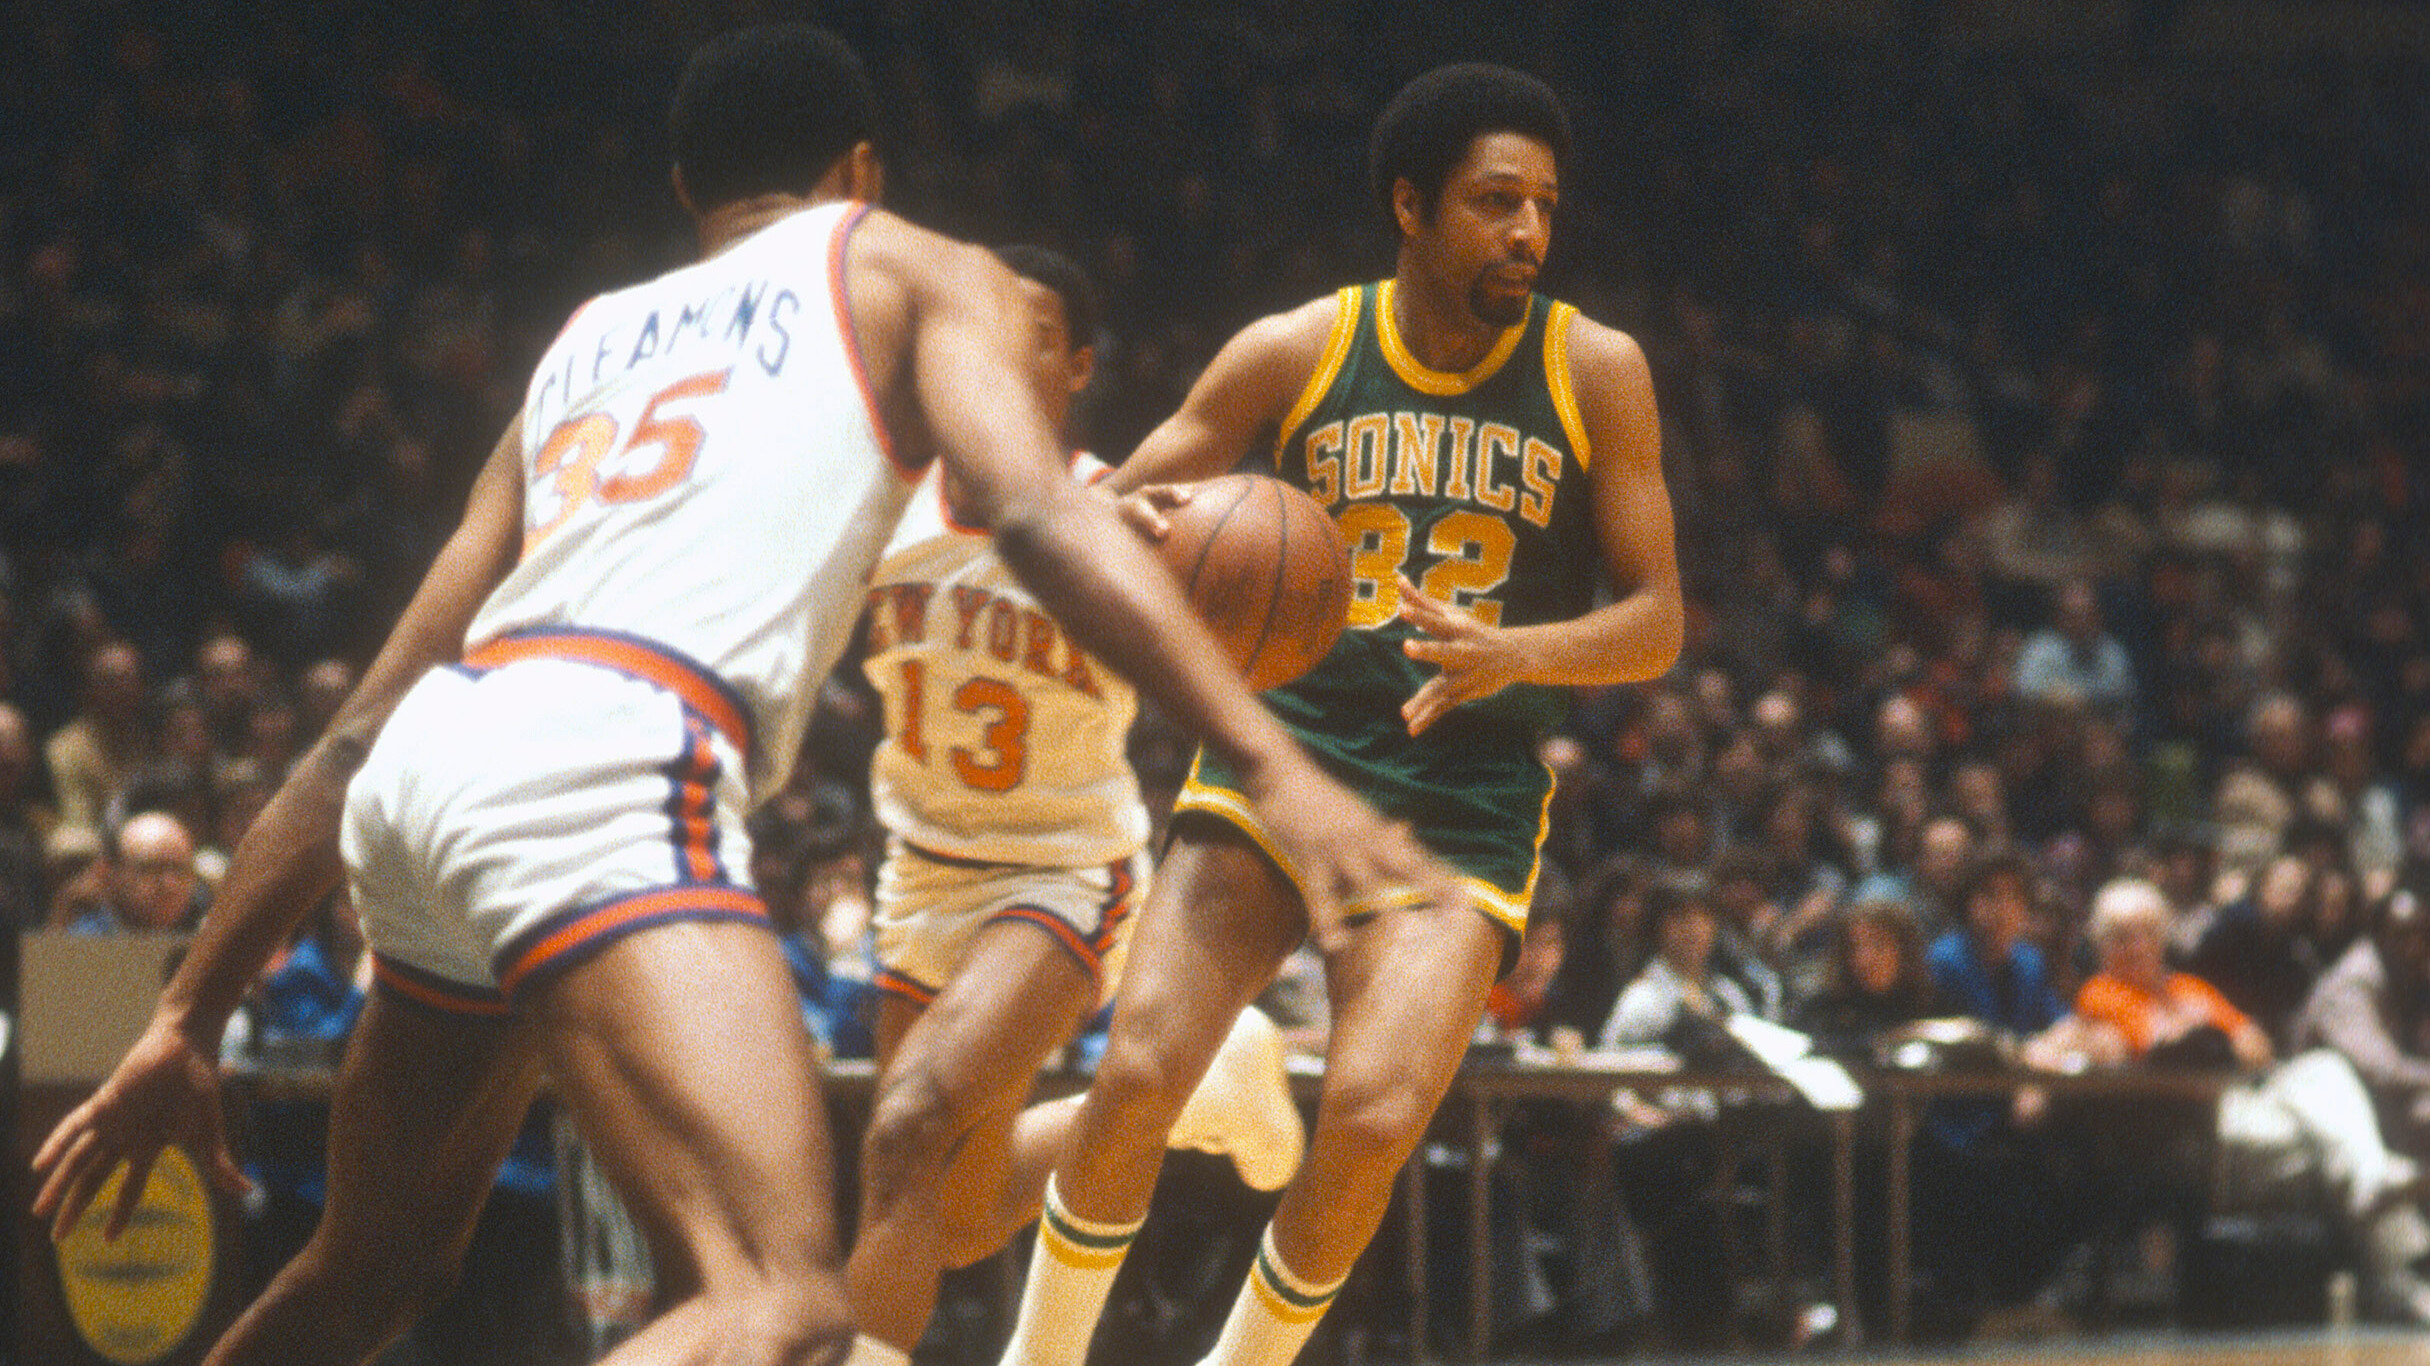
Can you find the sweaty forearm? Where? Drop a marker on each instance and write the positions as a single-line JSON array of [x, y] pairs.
[[1628, 641], [285, 865]]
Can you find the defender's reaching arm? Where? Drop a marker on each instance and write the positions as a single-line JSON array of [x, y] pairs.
[[167, 1087], [954, 312]]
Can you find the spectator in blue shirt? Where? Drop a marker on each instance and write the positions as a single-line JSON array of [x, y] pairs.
[[2075, 661], [1986, 965]]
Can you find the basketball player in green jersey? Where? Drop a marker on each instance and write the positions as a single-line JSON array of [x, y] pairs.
[[1492, 458]]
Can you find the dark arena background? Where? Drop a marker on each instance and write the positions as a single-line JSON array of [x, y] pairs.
[[2046, 410]]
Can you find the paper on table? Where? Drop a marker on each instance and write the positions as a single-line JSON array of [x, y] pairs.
[[1790, 1055]]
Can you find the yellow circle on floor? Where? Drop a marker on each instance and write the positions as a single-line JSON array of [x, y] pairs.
[[137, 1299]]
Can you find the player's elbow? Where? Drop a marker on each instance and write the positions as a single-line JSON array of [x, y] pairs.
[[1661, 635]]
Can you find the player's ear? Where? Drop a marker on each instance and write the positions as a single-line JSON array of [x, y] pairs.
[[864, 174], [1408, 206], [683, 192], [1084, 366]]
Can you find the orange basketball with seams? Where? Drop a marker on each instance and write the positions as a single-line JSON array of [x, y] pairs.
[[1265, 568]]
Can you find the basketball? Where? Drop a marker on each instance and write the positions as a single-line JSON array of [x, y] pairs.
[[1265, 568]]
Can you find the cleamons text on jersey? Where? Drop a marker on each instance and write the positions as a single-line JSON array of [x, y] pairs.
[[748, 319]]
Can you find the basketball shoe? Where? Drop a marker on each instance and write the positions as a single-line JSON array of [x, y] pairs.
[[1243, 1109]]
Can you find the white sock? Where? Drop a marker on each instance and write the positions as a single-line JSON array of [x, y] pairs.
[[868, 1351], [1274, 1315], [1070, 1273]]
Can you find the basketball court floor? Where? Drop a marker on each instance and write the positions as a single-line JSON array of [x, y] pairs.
[[2319, 1347]]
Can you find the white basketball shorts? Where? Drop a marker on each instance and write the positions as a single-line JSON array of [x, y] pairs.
[[930, 907], [553, 794]]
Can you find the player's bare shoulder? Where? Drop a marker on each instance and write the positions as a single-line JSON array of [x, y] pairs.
[[1274, 356], [899, 277], [1614, 385], [893, 269]]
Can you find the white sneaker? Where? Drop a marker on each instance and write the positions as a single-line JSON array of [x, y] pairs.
[[1243, 1107]]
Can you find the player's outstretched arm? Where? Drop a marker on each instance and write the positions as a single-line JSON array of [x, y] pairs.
[[962, 352], [1632, 638], [166, 1090]]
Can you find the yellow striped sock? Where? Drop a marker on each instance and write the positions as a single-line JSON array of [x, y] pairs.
[[1274, 1315], [1070, 1275]]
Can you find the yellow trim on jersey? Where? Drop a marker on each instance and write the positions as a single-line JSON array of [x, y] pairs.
[[1337, 350], [1498, 902], [1231, 806], [1556, 377], [1437, 382]]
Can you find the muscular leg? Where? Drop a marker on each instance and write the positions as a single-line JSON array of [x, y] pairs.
[[1406, 994], [681, 1052], [1218, 922], [426, 1107], [1407, 990], [952, 1164]]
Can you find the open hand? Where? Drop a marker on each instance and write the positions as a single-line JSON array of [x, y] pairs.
[[1351, 864], [166, 1090], [1475, 660]]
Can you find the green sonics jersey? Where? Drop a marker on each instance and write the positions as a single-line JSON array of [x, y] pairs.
[[1473, 485]]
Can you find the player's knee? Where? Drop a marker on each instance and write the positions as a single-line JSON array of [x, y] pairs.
[[1137, 1078], [911, 1128], [1377, 1115]]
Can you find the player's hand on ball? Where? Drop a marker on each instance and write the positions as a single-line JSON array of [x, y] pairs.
[[1474, 660], [1143, 510]]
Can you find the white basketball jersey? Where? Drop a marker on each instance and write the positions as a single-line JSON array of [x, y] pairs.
[[1004, 741], [704, 470]]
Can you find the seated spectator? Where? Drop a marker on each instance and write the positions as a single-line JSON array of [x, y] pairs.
[[23, 823], [2259, 953], [299, 1014], [1602, 949], [92, 755], [1680, 983], [2136, 998], [2373, 1007], [1986, 966], [227, 680], [1931, 882], [2000, 1193], [787, 867], [319, 692], [2075, 662], [2183, 866], [75, 881], [1679, 1000], [1680, 826], [1879, 981], [2308, 1113], [149, 876]]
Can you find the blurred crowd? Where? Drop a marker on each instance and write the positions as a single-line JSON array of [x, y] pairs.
[[2046, 426]]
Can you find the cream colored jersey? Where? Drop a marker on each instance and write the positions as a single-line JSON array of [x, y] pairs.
[[1004, 741], [705, 474]]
